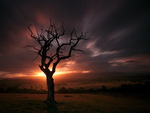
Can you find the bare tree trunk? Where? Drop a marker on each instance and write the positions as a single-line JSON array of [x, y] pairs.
[[50, 87], [49, 58]]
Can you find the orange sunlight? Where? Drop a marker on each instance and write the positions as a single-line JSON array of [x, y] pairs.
[[58, 73], [42, 74]]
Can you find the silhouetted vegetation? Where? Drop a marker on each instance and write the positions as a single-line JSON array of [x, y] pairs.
[[122, 89], [21, 90], [132, 88], [52, 49]]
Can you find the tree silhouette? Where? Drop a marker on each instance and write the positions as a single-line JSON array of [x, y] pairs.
[[54, 45]]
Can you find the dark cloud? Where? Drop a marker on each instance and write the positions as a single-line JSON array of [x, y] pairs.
[[119, 30]]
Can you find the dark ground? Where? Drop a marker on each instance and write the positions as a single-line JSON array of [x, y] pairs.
[[73, 103]]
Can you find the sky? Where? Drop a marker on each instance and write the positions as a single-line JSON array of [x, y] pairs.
[[118, 31]]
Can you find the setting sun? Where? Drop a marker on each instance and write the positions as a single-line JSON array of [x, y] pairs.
[[56, 73], [42, 74], [83, 56], [39, 74]]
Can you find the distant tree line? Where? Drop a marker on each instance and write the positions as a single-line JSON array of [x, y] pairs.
[[132, 88], [122, 89], [15, 89]]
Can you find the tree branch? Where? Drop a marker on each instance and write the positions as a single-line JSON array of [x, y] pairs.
[[49, 40], [32, 47], [79, 50]]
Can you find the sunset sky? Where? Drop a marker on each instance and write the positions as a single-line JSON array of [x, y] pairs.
[[119, 32]]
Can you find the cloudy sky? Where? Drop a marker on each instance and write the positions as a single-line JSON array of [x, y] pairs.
[[118, 31]]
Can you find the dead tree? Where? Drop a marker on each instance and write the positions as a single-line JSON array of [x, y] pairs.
[[54, 45]]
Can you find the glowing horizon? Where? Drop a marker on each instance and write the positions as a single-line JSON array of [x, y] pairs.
[[57, 73]]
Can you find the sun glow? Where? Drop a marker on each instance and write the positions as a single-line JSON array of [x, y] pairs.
[[56, 73], [39, 74]]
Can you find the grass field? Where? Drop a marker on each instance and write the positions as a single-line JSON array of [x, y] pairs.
[[72, 103]]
